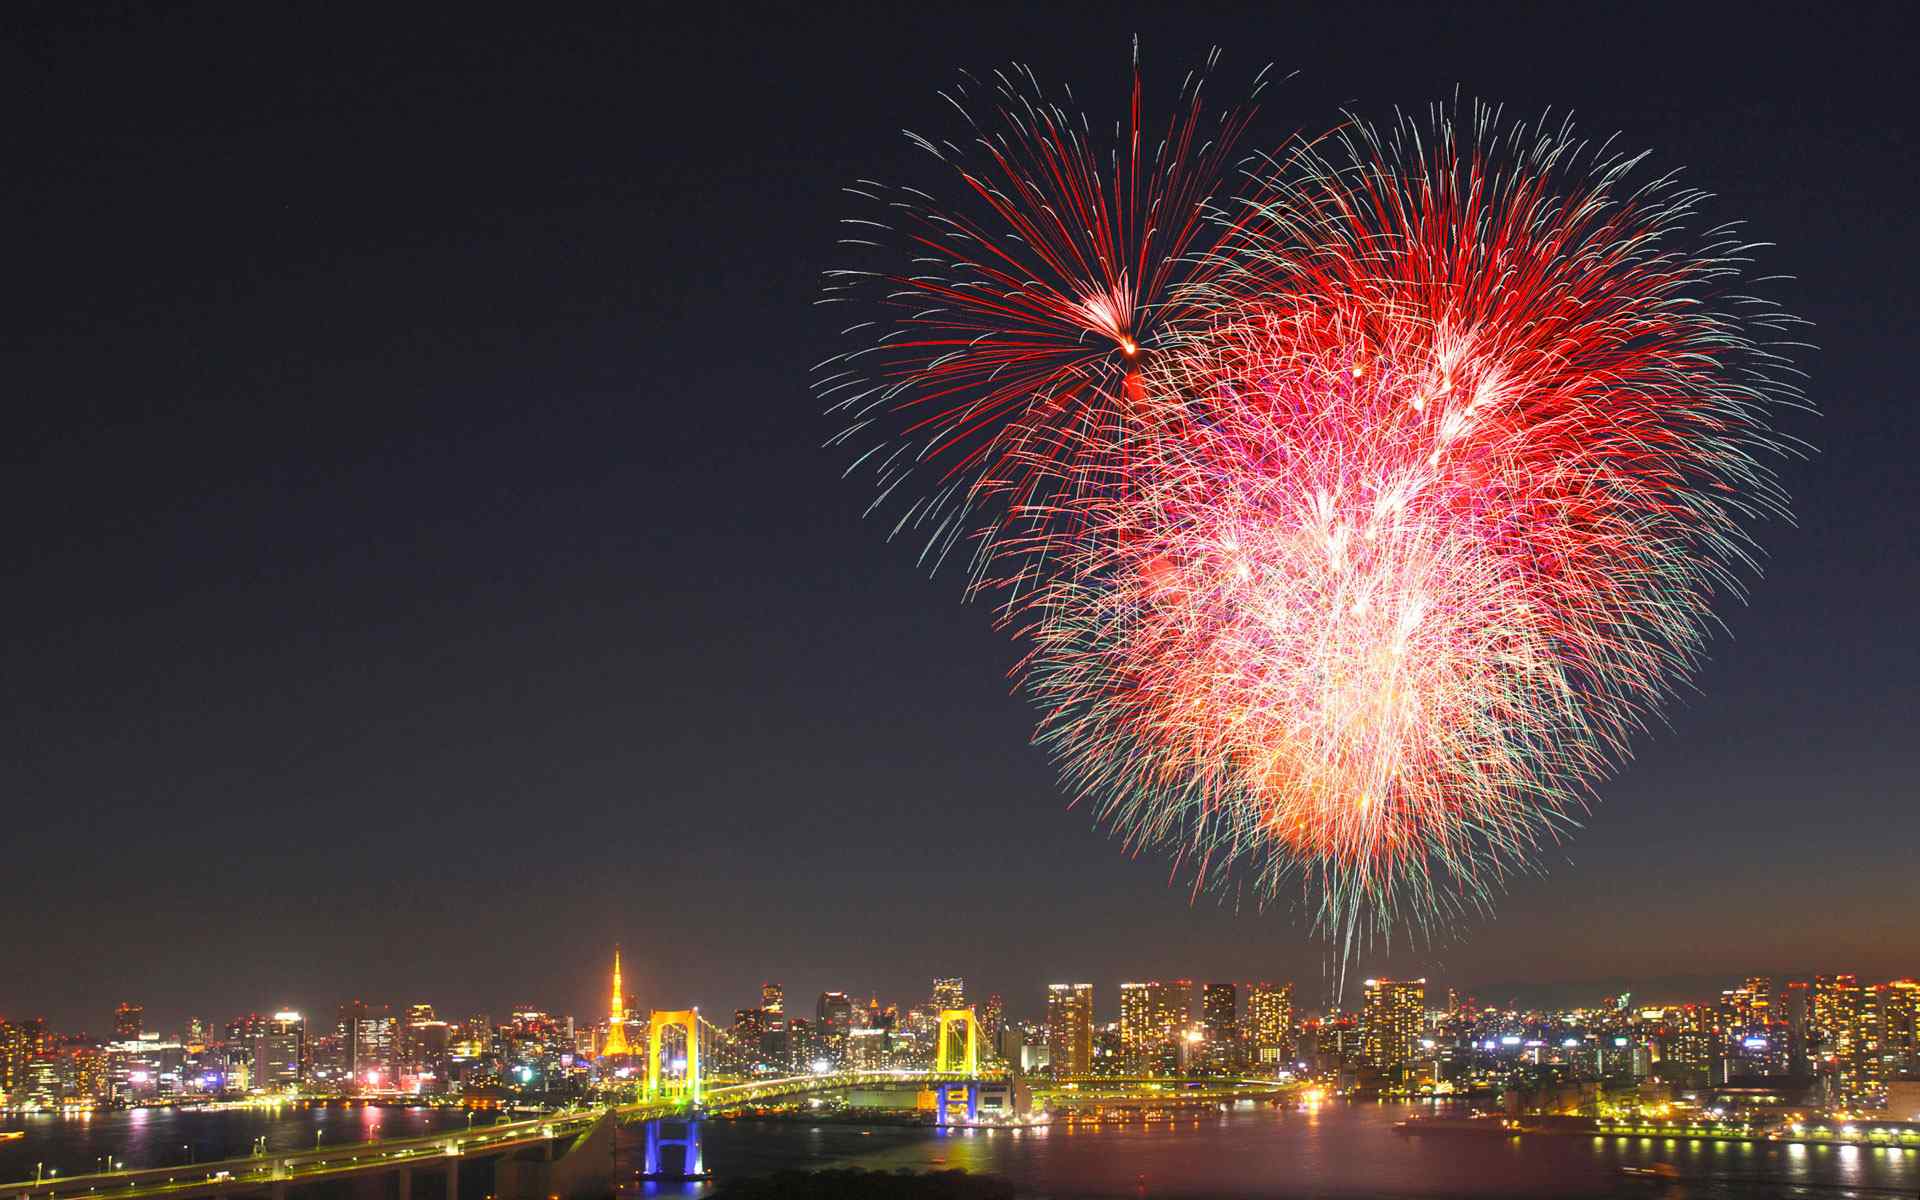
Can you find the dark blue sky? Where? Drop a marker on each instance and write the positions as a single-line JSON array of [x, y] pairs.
[[421, 567]]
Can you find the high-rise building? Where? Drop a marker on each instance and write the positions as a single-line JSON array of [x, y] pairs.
[[1270, 1023], [803, 1044], [1750, 1042], [280, 1052], [369, 1035], [1838, 1037], [869, 1049], [950, 993], [1391, 1018], [833, 1020], [992, 1017], [90, 1077], [127, 1022], [1070, 1028], [616, 1044], [1109, 1054], [1796, 1014], [1153, 1017], [1220, 1022], [749, 1026], [21, 1043], [833, 1011], [1898, 1006], [773, 998]]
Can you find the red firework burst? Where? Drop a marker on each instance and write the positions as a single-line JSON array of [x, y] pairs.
[[1429, 521], [995, 399]]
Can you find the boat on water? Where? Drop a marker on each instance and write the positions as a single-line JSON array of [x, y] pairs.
[[1656, 1171]]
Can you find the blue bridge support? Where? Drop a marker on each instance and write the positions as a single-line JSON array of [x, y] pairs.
[[951, 1097], [692, 1165]]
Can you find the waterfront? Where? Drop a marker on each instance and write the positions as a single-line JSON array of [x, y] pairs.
[[77, 1143], [1248, 1150], [1335, 1150]]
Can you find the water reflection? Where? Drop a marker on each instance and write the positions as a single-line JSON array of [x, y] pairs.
[[1336, 1149]]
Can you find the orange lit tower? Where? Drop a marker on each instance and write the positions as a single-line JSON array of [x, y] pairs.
[[616, 1044]]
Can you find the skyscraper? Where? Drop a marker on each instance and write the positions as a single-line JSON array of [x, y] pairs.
[[1391, 1018], [1070, 1028], [1837, 1036], [1153, 1015], [279, 1052], [749, 1026], [1899, 1010], [1796, 1013], [369, 1037], [992, 1017], [127, 1022], [1270, 1023], [833, 1020], [950, 993], [1220, 1021], [774, 999]]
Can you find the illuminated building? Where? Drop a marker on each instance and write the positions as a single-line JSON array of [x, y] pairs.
[[44, 1082], [369, 1034], [1220, 1023], [991, 1018], [949, 993], [279, 1052], [616, 1044], [833, 1012], [1748, 1008], [20, 1043], [1751, 1043], [1270, 1022], [869, 1049], [833, 1020], [1109, 1053], [1898, 1007], [90, 1076], [749, 1026], [1153, 1016], [1391, 1019], [802, 1044], [127, 1022], [1070, 1028], [773, 998], [1837, 1034], [1796, 1012]]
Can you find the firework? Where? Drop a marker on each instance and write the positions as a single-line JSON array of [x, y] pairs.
[[1431, 519], [995, 397], [1353, 521]]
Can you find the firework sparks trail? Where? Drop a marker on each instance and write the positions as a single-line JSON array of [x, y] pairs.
[[1413, 518], [997, 396]]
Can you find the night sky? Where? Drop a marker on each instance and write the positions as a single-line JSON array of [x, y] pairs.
[[422, 568]]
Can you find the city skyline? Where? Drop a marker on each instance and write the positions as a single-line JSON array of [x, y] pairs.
[[1851, 1041], [1122, 1000], [415, 577]]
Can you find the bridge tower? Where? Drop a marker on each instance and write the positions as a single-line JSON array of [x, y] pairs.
[[943, 1059], [689, 1020], [693, 1165]]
